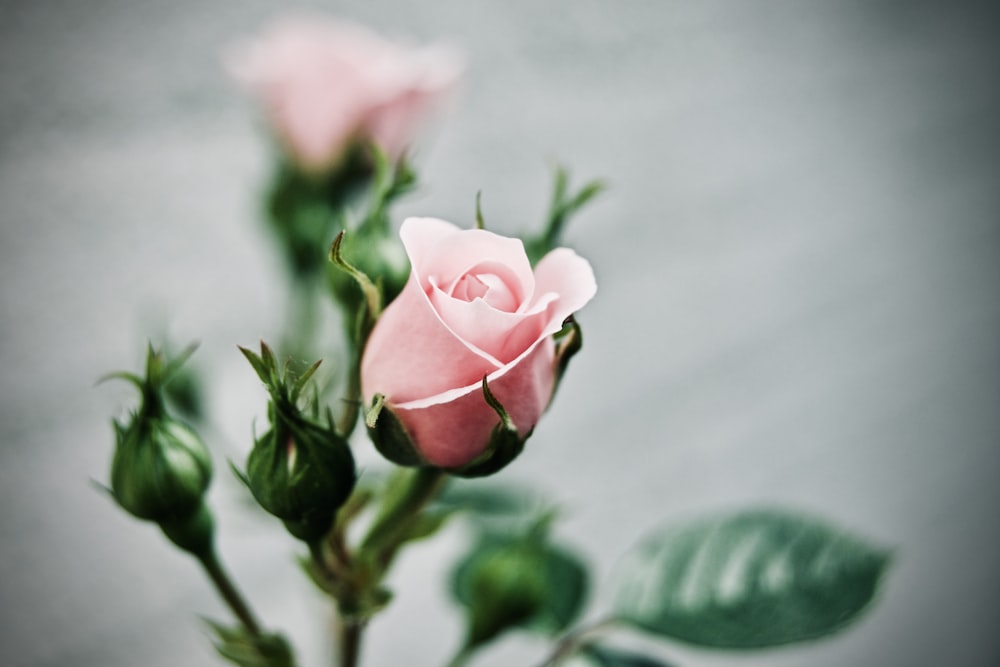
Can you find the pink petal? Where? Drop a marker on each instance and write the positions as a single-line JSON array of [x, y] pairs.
[[412, 354], [564, 273], [454, 427]]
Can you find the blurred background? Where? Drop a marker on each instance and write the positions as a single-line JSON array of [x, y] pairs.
[[798, 263]]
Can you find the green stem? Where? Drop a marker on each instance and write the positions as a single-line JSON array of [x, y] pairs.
[[390, 526], [227, 589], [577, 640], [350, 641]]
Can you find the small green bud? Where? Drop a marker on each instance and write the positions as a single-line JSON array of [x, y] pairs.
[[300, 470], [507, 588], [160, 469]]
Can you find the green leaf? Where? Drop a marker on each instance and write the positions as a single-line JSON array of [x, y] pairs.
[[603, 656], [483, 498], [241, 648], [754, 579]]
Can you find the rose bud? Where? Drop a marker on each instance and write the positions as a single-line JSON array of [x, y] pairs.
[[300, 470], [465, 357], [328, 87], [506, 588], [161, 469]]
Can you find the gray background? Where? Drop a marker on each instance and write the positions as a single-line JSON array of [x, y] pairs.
[[797, 260]]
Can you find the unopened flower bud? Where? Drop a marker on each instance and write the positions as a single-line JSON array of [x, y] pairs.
[[300, 470], [161, 468], [507, 588]]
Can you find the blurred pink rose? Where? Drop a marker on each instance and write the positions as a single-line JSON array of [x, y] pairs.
[[326, 84], [472, 307]]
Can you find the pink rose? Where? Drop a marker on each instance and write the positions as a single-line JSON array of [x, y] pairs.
[[326, 85], [472, 307]]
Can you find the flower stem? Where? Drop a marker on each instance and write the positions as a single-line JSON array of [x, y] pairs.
[[577, 640], [350, 641], [389, 528], [227, 589]]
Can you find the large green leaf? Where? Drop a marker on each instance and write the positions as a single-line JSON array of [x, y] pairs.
[[749, 580]]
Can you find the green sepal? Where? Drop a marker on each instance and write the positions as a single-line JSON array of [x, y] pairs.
[[505, 444], [562, 207], [569, 341], [241, 648], [378, 262], [390, 436], [480, 222], [371, 293]]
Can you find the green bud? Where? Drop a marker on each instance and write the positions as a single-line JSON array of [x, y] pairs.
[[506, 589], [302, 473], [161, 468], [300, 470]]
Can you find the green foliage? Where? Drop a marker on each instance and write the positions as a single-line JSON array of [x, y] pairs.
[[486, 500], [300, 470], [749, 580], [523, 581], [562, 207], [305, 211], [602, 656], [160, 469], [505, 444], [242, 648], [390, 436]]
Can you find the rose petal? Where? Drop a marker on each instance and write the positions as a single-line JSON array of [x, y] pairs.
[[412, 354], [455, 426], [500, 334], [564, 273], [441, 249]]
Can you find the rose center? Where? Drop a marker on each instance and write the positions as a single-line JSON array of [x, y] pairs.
[[489, 287]]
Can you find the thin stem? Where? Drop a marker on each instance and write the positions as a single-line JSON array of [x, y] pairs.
[[227, 589], [391, 524], [350, 641], [577, 640]]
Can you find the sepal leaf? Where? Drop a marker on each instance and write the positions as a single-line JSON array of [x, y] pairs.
[[562, 207], [246, 650], [505, 444], [390, 436]]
